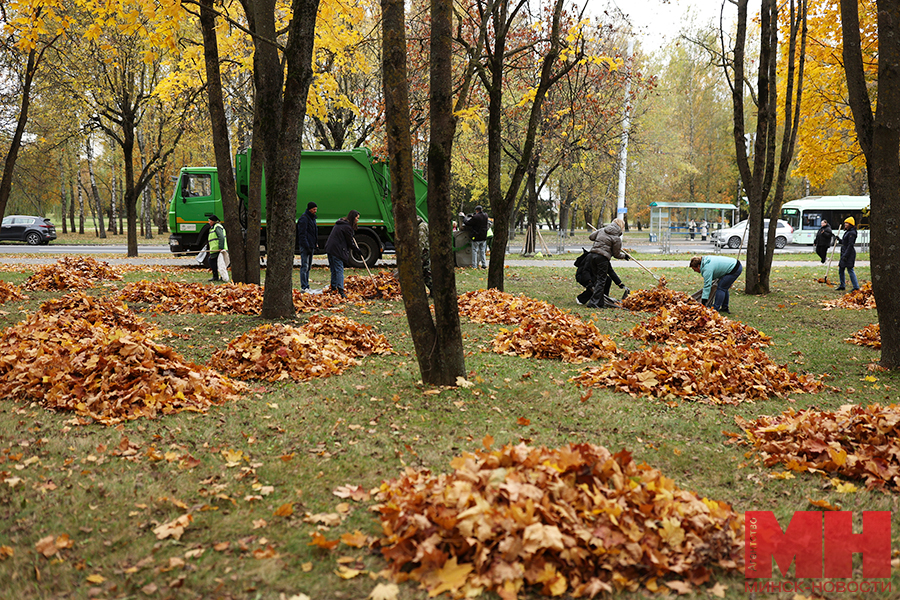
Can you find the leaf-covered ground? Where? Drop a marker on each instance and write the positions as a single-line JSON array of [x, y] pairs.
[[266, 495]]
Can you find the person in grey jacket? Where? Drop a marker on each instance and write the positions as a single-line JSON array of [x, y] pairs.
[[607, 244]]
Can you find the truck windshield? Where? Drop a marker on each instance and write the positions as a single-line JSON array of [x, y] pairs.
[[196, 185]]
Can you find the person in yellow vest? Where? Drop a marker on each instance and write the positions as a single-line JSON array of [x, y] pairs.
[[217, 243]]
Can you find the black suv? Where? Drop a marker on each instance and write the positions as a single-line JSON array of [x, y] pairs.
[[33, 230]]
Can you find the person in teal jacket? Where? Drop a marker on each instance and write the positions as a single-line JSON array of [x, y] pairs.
[[217, 243], [723, 268]]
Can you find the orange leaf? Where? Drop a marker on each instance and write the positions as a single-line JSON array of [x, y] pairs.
[[357, 539], [523, 421], [319, 540], [285, 510]]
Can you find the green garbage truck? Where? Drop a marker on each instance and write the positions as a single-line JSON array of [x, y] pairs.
[[337, 181]]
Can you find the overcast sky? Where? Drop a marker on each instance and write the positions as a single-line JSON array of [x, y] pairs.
[[658, 22]]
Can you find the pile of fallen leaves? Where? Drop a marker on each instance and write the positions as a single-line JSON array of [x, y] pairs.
[[722, 372], [494, 306], [10, 292], [858, 442], [324, 347], [98, 311], [860, 299], [356, 339], [691, 323], [553, 334], [108, 374], [655, 298], [870, 335], [379, 286], [229, 299], [576, 520], [71, 273]]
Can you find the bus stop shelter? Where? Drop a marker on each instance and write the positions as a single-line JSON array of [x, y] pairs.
[[670, 219]]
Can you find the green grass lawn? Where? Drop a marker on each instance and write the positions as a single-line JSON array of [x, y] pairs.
[[300, 442]]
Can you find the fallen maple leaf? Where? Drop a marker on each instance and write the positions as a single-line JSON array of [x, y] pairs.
[[285, 510], [174, 529], [96, 578], [385, 591]]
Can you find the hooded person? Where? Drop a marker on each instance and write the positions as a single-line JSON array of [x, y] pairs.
[[607, 244], [848, 254]]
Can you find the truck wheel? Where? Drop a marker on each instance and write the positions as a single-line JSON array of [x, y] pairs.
[[369, 249]]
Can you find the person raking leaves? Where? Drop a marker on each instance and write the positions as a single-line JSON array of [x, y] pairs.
[[722, 268], [607, 244]]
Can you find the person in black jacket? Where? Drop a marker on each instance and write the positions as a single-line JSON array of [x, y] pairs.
[[823, 240], [478, 227], [586, 275], [307, 241], [338, 246], [848, 254]]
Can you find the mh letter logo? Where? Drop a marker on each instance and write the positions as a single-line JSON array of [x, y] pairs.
[[821, 544]]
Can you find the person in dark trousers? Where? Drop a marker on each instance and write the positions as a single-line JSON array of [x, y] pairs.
[[478, 227], [585, 274], [340, 241], [823, 240], [848, 254], [607, 244], [307, 241], [217, 242], [723, 268]]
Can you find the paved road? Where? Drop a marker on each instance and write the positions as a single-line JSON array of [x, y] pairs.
[[162, 256]]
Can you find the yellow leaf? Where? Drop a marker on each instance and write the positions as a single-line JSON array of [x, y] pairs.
[[448, 578], [671, 532], [718, 590], [306, 567], [385, 591], [95, 578], [345, 573], [843, 488]]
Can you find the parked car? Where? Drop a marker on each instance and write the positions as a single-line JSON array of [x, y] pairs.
[[734, 236], [31, 230]]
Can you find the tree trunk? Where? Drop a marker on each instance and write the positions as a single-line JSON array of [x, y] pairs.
[[281, 108], [879, 138], [62, 192], [95, 194], [16, 142], [505, 203], [80, 206], [447, 361], [240, 257]]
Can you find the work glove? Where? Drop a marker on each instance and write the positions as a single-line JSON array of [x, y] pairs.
[[621, 286]]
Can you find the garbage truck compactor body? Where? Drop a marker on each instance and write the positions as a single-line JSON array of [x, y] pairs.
[[337, 181]]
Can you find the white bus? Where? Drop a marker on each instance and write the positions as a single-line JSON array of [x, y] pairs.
[[805, 216]]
